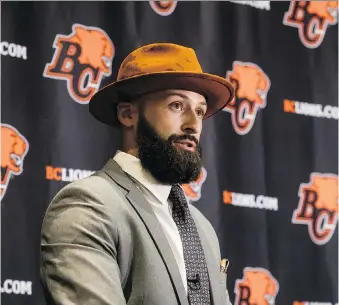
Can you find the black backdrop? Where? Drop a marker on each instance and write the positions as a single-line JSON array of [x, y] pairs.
[[270, 181]]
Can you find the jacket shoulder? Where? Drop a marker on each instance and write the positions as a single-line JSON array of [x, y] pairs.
[[87, 196], [95, 186]]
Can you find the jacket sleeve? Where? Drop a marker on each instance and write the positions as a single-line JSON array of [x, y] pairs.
[[78, 250]]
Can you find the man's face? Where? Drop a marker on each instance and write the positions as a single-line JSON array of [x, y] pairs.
[[168, 133]]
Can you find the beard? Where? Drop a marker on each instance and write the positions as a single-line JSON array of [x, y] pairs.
[[167, 163]]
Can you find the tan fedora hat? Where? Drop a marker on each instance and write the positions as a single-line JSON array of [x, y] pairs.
[[160, 66]]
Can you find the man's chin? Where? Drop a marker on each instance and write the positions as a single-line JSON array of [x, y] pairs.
[[174, 171]]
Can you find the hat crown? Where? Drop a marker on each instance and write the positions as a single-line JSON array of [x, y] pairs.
[[159, 58]]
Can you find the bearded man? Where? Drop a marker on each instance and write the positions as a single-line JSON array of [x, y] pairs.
[[126, 234]]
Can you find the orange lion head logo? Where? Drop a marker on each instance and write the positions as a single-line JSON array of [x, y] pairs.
[[257, 287], [251, 85], [318, 207], [82, 58], [193, 190], [163, 8], [14, 148], [312, 19]]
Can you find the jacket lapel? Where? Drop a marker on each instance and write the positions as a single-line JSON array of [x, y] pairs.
[[145, 211]]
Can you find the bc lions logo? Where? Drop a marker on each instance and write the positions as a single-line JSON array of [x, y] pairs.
[[318, 207], [14, 148], [193, 189], [82, 59], [257, 287], [251, 86], [163, 8], [312, 19]]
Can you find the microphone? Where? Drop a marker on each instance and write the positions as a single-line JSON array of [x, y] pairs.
[[195, 283]]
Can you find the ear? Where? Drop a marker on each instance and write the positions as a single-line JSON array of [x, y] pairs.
[[127, 114]]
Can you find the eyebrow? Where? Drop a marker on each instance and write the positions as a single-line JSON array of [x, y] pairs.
[[185, 97]]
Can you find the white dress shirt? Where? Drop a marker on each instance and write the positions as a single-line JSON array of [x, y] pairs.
[[157, 195]]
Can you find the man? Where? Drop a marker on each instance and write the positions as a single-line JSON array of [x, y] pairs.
[[126, 235]]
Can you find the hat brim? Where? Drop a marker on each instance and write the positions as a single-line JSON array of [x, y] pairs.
[[217, 91]]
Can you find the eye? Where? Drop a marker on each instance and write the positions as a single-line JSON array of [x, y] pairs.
[[176, 105], [200, 112]]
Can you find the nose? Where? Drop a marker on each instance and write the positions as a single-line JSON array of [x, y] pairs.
[[191, 123]]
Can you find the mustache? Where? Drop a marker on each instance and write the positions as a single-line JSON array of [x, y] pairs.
[[174, 138]]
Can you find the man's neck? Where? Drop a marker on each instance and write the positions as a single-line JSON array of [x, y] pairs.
[[131, 151]]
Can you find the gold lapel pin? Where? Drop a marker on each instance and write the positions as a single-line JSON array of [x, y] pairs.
[[224, 265]]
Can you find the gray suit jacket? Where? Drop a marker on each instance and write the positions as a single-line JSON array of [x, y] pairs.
[[101, 243]]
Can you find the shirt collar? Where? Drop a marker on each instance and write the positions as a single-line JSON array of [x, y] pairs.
[[132, 166]]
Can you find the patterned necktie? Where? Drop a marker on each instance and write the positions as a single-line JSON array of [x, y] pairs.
[[195, 263]]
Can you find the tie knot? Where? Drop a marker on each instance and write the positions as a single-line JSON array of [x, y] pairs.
[[177, 195]]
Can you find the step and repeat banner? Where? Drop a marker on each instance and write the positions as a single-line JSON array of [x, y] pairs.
[[269, 185]]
